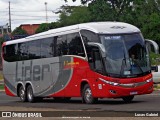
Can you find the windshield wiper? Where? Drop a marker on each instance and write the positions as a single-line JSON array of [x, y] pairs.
[[122, 66], [138, 65]]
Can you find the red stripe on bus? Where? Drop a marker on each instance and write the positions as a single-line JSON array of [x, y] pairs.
[[8, 92]]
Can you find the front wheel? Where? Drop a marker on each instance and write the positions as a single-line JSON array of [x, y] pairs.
[[128, 99], [30, 95], [87, 95]]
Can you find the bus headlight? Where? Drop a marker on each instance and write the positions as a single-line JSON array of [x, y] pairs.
[[149, 80], [109, 82]]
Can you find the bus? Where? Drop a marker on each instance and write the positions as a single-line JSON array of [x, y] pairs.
[[89, 60]]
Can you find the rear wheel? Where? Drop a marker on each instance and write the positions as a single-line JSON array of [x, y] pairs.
[[128, 99], [87, 95], [30, 95], [22, 94]]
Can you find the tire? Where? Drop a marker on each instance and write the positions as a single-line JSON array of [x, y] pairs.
[[128, 99], [87, 95], [22, 94], [30, 95]]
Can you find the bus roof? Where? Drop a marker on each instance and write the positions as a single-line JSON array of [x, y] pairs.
[[97, 27]]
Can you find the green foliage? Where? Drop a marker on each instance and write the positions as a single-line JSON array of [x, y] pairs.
[[19, 31], [70, 15], [155, 58], [145, 14], [1, 87], [43, 27], [1, 40], [47, 26]]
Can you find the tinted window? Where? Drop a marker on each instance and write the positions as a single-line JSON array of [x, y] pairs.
[[34, 49], [75, 46], [10, 53], [89, 36], [47, 48], [94, 59], [23, 51], [62, 46]]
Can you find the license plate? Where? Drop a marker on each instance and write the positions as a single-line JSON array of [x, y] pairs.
[[133, 93]]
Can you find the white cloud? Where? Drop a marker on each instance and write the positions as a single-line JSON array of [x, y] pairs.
[[30, 11]]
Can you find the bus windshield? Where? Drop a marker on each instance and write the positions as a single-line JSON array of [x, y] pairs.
[[126, 55]]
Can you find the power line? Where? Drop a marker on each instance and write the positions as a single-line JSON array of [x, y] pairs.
[[31, 16], [27, 19], [27, 11]]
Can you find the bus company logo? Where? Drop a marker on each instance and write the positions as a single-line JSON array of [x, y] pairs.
[[6, 114], [70, 64]]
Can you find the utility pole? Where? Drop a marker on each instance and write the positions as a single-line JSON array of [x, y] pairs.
[[46, 12], [10, 29]]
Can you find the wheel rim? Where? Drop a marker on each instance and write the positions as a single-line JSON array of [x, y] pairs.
[[88, 94], [22, 93], [30, 94]]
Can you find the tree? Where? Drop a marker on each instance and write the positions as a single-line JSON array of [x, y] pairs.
[[108, 9], [19, 31], [70, 15], [147, 18], [47, 26], [1, 41], [43, 27]]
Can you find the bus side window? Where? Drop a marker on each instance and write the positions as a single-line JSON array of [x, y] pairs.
[[23, 51], [34, 49], [75, 46], [10, 53], [89, 36], [94, 59], [61, 46], [47, 48]]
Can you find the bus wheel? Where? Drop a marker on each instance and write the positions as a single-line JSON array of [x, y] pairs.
[[128, 99], [22, 94], [87, 95], [30, 95]]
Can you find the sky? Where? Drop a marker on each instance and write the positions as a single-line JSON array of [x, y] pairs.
[[30, 11]]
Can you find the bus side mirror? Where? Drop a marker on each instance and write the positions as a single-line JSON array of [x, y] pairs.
[[154, 68], [100, 46]]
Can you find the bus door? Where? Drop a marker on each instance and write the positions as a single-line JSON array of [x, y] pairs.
[[96, 65]]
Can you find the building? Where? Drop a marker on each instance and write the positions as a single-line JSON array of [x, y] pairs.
[[30, 28], [4, 30]]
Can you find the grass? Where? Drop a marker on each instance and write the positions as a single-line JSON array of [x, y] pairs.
[[1, 87], [157, 86]]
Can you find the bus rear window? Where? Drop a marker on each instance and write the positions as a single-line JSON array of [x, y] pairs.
[[10, 53]]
